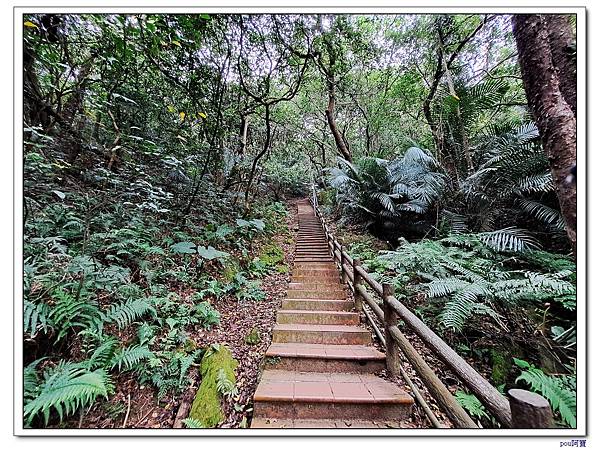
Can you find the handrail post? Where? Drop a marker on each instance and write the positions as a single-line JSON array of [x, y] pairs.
[[344, 276], [358, 300], [529, 410], [390, 319]]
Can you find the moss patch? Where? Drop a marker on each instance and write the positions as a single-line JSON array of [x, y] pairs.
[[500, 366], [207, 405], [253, 337], [231, 269]]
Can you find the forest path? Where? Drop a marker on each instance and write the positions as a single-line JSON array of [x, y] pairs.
[[321, 368]]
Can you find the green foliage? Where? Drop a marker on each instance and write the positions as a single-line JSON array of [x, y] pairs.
[[471, 404], [470, 279], [558, 390], [253, 337], [66, 388], [185, 247], [192, 423], [209, 253], [130, 357], [208, 316], [375, 189], [70, 313], [126, 313]]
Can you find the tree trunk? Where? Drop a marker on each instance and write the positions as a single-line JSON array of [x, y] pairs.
[[561, 39], [552, 114], [244, 134], [337, 136]]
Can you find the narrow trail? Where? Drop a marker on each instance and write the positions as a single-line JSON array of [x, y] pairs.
[[321, 368]]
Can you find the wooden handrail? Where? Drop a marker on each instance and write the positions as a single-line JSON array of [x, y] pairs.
[[353, 274]]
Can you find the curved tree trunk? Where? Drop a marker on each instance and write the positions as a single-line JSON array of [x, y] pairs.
[[552, 113], [337, 135]]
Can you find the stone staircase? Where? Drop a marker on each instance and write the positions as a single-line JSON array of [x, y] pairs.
[[321, 366]]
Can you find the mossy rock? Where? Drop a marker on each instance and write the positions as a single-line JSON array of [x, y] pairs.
[[271, 255], [253, 337], [206, 407]]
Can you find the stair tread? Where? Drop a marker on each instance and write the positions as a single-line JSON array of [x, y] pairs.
[[317, 311], [319, 423], [330, 351], [322, 387], [321, 328]]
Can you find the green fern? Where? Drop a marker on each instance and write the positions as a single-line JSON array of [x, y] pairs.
[[556, 389], [193, 423], [185, 364], [31, 380], [66, 388], [128, 312], [36, 315], [129, 357], [545, 214], [472, 404], [224, 385], [104, 353], [71, 314]]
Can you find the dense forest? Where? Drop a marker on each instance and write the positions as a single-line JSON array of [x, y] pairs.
[[164, 155]]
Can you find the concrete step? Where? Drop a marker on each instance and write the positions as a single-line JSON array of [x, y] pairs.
[[314, 395], [325, 358], [318, 317], [321, 334], [315, 279], [317, 305], [339, 294], [316, 273], [261, 422], [324, 286]]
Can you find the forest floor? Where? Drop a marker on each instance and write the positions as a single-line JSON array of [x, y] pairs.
[[238, 320]]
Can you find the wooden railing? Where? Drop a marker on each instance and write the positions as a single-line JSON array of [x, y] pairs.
[[522, 409]]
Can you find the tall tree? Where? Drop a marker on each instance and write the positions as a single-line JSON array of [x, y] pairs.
[[562, 45], [553, 116]]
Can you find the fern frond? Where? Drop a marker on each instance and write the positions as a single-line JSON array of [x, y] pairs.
[[192, 423], [130, 356], [543, 213], [103, 354], [126, 313], [66, 388], [185, 365], [34, 315], [472, 404], [70, 313]]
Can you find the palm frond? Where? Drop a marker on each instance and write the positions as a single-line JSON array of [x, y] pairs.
[[509, 239]]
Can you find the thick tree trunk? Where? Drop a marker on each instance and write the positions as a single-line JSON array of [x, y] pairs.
[[560, 35], [553, 115]]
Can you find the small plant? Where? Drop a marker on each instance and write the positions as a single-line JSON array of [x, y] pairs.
[[559, 390], [471, 404], [208, 316], [192, 423], [253, 337], [65, 388], [227, 388]]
